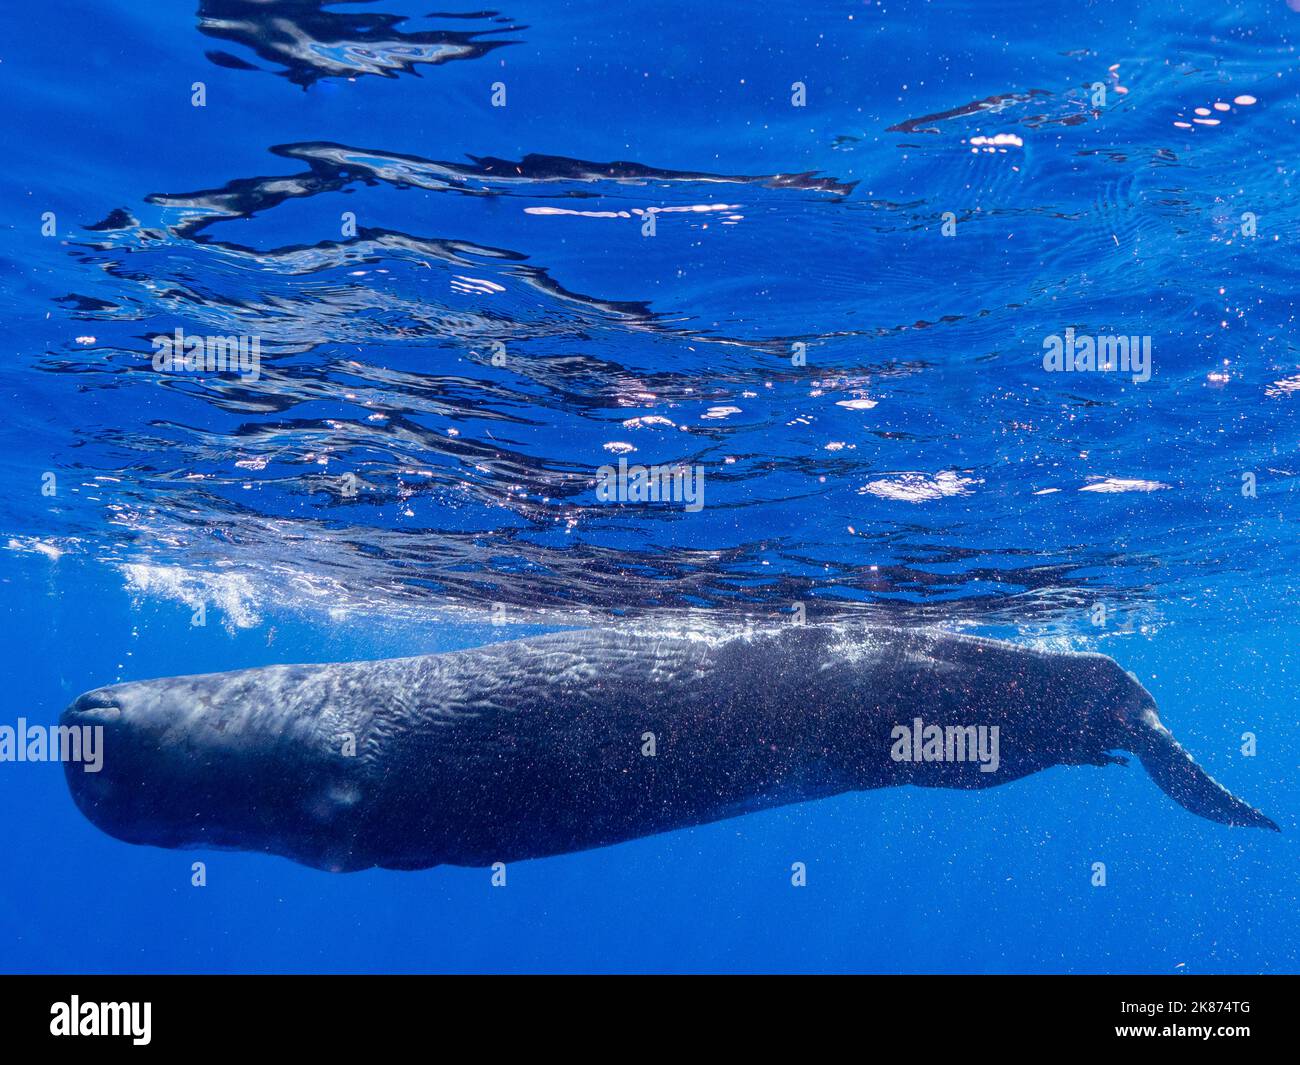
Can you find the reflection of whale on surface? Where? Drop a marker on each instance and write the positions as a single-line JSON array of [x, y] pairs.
[[313, 39], [581, 739]]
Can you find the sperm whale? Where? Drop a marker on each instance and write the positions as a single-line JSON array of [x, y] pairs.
[[581, 739]]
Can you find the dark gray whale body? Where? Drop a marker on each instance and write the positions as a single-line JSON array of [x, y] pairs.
[[541, 746]]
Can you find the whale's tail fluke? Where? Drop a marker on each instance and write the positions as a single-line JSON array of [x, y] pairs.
[[1179, 777]]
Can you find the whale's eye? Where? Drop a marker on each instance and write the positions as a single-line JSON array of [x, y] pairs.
[[334, 800]]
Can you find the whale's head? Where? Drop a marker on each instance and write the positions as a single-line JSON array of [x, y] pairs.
[[250, 760]]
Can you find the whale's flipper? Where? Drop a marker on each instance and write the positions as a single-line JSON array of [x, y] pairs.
[[1179, 777]]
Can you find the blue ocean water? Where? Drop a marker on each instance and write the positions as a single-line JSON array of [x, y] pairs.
[[817, 252]]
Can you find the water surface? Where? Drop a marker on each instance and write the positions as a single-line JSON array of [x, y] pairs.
[[460, 318]]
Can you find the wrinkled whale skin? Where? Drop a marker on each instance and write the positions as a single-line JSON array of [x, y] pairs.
[[534, 747]]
